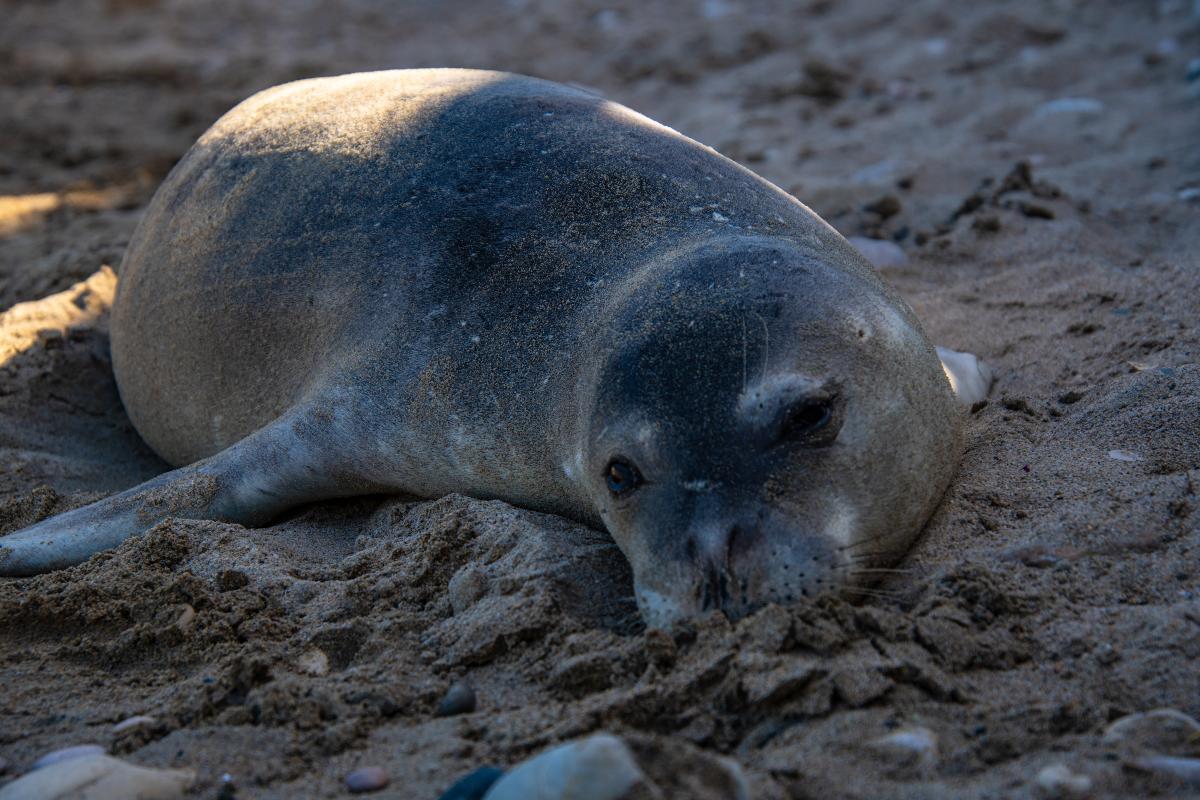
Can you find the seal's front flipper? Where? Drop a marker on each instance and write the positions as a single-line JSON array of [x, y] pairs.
[[970, 378], [281, 466]]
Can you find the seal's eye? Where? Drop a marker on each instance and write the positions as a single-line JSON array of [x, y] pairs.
[[622, 477], [810, 422]]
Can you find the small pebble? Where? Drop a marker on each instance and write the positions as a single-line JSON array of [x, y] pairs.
[[366, 779], [880, 252], [459, 699], [1189, 194], [1123, 455], [911, 745], [1058, 782], [1184, 769], [1069, 105], [935, 47], [474, 785], [132, 722], [67, 753]]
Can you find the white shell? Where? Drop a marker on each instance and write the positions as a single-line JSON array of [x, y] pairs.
[[970, 378]]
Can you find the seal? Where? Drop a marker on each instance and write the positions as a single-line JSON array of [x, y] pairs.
[[437, 281]]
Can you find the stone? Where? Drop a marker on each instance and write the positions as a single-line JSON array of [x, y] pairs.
[[98, 777], [459, 699], [366, 779], [600, 767], [1058, 782]]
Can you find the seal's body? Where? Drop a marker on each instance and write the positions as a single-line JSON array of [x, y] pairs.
[[437, 281]]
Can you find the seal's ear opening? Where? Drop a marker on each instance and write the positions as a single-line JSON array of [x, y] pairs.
[[970, 378]]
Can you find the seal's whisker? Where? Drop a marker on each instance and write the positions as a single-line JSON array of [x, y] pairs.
[[876, 570], [863, 558], [878, 593], [846, 547]]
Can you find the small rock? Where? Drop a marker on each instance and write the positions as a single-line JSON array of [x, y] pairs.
[[600, 767], [1163, 730], [880, 252], [1058, 782], [313, 662], [132, 722], [366, 779], [67, 753], [1184, 769], [474, 785], [935, 47], [459, 699], [1189, 194], [1068, 105], [908, 746], [1123, 455], [98, 777]]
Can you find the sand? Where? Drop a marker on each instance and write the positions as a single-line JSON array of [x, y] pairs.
[[1037, 163]]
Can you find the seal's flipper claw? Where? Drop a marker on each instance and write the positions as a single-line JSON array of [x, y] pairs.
[[970, 378], [276, 468]]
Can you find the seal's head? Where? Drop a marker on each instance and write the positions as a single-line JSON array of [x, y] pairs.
[[766, 422]]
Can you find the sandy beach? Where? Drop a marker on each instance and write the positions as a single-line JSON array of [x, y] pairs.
[[1035, 165]]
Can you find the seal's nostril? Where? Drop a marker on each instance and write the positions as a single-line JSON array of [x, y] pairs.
[[729, 542], [689, 548]]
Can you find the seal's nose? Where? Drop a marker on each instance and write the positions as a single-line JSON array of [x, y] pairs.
[[716, 549]]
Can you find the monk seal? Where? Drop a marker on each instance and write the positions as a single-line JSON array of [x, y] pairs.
[[436, 281]]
